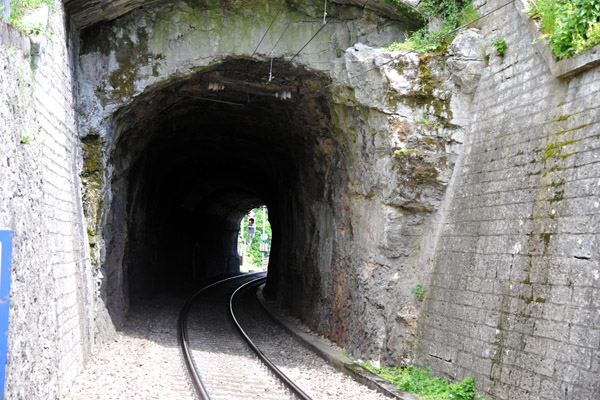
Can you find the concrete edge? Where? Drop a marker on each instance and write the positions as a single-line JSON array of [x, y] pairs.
[[333, 357], [13, 37], [560, 68]]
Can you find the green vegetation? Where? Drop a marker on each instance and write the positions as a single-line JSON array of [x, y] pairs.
[[20, 8], [426, 121], [23, 138], [421, 383], [453, 13], [253, 254], [499, 45], [571, 26], [419, 292]]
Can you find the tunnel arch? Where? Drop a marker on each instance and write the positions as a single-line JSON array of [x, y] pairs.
[[189, 161], [331, 160]]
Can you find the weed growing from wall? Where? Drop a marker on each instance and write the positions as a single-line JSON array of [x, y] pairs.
[[500, 46], [419, 292], [571, 26]]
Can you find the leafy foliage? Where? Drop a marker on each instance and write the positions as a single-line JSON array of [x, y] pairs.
[[499, 45], [423, 384], [20, 8], [416, 16], [419, 292], [253, 254], [572, 26], [453, 13]]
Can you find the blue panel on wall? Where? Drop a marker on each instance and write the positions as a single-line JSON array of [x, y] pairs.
[[5, 268]]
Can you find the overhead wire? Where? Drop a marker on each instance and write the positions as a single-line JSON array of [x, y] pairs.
[[285, 30], [307, 43], [421, 46], [268, 29], [315, 35], [453, 31]]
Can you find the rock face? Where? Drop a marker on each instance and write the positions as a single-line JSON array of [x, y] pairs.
[[426, 208], [353, 167]]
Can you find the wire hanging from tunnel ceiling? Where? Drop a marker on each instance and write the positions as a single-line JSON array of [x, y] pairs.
[[325, 13], [419, 47], [212, 100]]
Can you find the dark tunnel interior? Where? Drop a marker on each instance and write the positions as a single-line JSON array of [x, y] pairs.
[[193, 156]]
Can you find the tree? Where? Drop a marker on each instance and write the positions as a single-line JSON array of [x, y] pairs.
[[253, 254]]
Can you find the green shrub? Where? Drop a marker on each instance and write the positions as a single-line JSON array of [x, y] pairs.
[[20, 8], [454, 13], [419, 292], [421, 383], [572, 26], [500, 46]]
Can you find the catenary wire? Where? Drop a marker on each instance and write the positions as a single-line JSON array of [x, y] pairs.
[[421, 46], [268, 29], [285, 30], [310, 40]]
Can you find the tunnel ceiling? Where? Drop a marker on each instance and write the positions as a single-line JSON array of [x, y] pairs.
[[225, 121], [85, 13], [194, 155]]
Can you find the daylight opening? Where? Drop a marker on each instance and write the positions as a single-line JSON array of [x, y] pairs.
[[254, 240]]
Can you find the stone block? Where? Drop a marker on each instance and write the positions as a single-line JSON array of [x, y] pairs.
[[585, 336]]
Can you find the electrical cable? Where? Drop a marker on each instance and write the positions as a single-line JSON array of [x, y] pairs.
[[213, 100], [285, 30], [315, 35], [421, 46], [267, 31], [310, 40]]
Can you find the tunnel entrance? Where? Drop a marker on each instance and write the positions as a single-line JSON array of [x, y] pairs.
[[193, 156]]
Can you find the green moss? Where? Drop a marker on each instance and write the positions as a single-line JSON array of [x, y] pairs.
[[427, 82], [558, 183], [546, 238], [554, 149], [93, 162], [558, 196], [572, 129], [562, 118]]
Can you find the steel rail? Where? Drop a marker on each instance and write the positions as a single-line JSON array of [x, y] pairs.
[[286, 381], [183, 339]]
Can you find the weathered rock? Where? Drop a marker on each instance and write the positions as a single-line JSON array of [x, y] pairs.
[[371, 162]]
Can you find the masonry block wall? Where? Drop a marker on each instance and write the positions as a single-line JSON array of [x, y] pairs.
[[514, 297], [51, 321]]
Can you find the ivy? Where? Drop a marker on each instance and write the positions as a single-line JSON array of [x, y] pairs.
[[572, 26]]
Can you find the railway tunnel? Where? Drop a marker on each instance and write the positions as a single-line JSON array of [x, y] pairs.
[[198, 120], [193, 157]]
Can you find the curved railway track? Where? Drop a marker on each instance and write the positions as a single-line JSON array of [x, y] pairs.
[[219, 354]]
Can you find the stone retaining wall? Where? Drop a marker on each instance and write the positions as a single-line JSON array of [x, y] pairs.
[[51, 309], [514, 296]]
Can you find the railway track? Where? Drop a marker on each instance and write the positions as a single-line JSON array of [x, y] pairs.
[[222, 363]]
